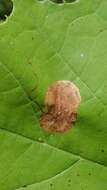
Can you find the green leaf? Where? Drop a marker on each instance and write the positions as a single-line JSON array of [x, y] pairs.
[[81, 175], [23, 161], [42, 42]]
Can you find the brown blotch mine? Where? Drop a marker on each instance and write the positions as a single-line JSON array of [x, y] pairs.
[[61, 103]]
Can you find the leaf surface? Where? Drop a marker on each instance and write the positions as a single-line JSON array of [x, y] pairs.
[[42, 42]]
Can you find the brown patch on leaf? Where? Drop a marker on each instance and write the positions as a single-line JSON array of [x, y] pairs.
[[61, 103]]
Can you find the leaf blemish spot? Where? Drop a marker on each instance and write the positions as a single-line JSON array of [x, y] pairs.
[[51, 184], [60, 111], [69, 180], [24, 186], [102, 150], [89, 174]]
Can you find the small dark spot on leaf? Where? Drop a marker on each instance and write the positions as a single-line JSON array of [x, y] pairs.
[[69, 180], [51, 184], [102, 150], [100, 130], [89, 173], [34, 88], [29, 62], [24, 185], [101, 30], [78, 174], [32, 38]]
